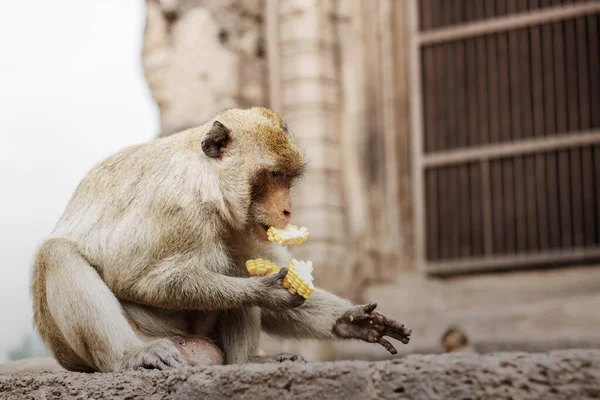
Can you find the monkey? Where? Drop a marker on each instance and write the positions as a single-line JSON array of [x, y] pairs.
[[455, 340], [146, 266]]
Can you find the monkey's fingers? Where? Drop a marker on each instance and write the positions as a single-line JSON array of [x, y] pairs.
[[192, 363], [274, 280], [361, 313], [402, 338], [389, 327], [297, 300], [354, 316], [174, 361], [282, 273], [391, 324], [388, 346], [358, 317], [400, 334], [387, 331], [368, 308], [161, 366]]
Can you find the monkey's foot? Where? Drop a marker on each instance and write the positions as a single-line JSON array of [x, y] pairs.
[[363, 322], [159, 354], [277, 358]]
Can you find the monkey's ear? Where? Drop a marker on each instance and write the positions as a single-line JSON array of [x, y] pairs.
[[216, 140]]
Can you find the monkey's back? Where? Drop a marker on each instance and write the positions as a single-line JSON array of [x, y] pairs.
[[134, 203]]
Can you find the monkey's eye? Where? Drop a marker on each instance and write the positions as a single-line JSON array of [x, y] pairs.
[[275, 174]]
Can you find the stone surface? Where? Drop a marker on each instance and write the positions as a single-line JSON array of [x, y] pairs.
[[202, 56], [568, 374]]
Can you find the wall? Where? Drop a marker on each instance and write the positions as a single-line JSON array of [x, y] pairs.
[[202, 56], [338, 76], [337, 70]]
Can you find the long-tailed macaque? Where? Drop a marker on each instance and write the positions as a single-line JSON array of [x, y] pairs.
[[146, 267]]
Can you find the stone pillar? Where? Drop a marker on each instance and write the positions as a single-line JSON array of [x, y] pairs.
[[202, 56], [309, 101], [304, 69]]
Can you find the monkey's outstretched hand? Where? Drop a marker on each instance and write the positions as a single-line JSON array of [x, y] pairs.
[[362, 322], [274, 296]]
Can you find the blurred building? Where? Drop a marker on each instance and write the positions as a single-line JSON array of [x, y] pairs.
[[454, 148]]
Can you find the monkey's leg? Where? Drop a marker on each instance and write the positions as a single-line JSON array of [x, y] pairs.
[[150, 325], [82, 321], [238, 333]]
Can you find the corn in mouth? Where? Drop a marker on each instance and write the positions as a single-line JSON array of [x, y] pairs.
[[299, 277], [291, 235]]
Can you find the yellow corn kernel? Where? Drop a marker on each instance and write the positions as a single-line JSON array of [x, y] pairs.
[[261, 267], [290, 236], [299, 278]]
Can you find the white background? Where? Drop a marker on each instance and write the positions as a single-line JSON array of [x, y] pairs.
[[72, 92]]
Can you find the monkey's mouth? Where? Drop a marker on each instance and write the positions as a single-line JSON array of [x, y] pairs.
[[260, 230]]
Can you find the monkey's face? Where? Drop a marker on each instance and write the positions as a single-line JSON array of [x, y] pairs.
[[254, 149], [271, 203]]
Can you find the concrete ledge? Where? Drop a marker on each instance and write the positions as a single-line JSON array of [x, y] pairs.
[[563, 374]]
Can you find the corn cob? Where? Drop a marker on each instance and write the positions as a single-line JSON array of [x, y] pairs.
[[299, 278], [290, 236], [261, 267]]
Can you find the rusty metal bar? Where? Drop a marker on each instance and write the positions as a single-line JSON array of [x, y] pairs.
[[510, 22], [529, 146], [508, 262], [486, 193], [416, 137]]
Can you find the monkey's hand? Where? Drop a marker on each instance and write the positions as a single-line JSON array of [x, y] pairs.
[[362, 322], [273, 295]]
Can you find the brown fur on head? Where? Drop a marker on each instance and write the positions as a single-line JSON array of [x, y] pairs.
[[254, 152]]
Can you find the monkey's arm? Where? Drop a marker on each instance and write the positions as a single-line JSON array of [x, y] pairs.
[[187, 284], [326, 316], [313, 320]]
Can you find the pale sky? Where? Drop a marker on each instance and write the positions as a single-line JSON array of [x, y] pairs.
[[72, 92]]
